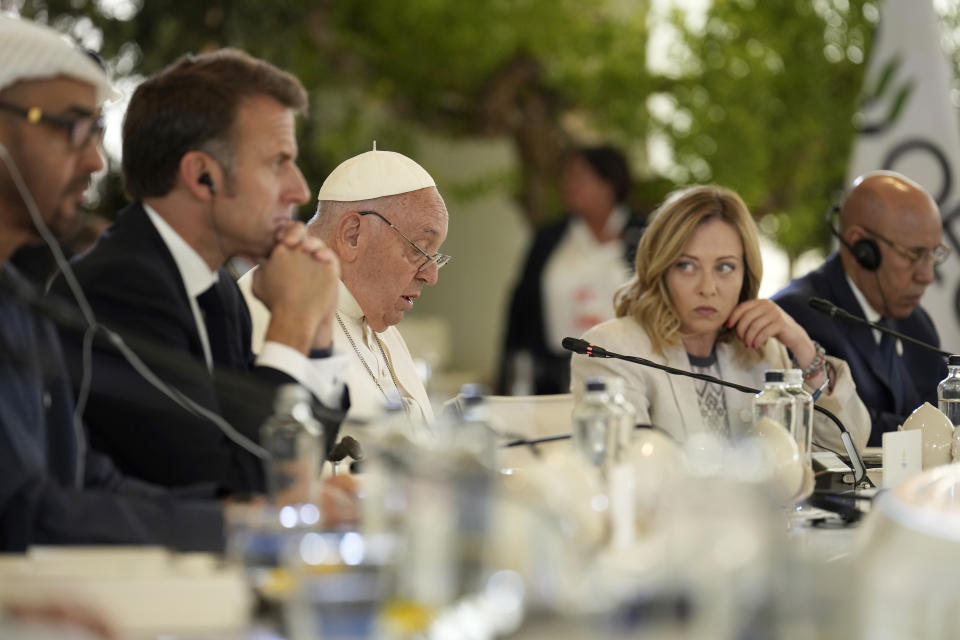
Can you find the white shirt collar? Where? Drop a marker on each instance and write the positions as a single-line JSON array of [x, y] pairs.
[[196, 274], [618, 219], [614, 226], [868, 312], [348, 305]]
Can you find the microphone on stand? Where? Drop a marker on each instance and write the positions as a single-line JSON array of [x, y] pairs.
[[828, 308], [524, 442], [585, 348]]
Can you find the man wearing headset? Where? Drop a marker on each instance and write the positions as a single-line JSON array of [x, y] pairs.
[[891, 240], [53, 488]]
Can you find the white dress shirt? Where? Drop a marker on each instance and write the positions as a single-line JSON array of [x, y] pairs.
[[580, 278], [323, 376], [870, 313], [367, 397]]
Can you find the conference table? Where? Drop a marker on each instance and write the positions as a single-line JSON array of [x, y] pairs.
[[717, 565]]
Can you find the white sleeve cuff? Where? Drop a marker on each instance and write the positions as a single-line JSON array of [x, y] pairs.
[[324, 377]]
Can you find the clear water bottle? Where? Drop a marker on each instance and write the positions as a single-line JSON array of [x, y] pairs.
[[294, 439], [948, 391], [775, 402], [523, 374], [621, 487], [627, 413], [948, 401], [803, 425], [474, 430], [595, 424]]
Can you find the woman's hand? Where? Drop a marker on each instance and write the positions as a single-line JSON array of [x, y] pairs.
[[756, 321]]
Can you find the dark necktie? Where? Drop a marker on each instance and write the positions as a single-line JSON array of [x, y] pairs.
[[216, 320], [890, 362]]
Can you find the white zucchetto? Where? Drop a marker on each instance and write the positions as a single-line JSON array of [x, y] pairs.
[[374, 174]]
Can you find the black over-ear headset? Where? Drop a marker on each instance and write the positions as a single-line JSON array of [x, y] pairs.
[[207, 180], [865, 251]]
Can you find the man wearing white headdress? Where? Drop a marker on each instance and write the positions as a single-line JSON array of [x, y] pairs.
[[382, 214]]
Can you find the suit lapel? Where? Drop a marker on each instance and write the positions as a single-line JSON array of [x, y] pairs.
[[860, 336], [739, 404], [684, 390], [134, 222]]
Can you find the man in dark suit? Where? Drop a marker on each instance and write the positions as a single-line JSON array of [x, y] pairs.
[[890, 232], [54, 489], [209, 155]]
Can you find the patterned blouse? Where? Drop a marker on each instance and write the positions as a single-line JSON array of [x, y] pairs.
[[713, 407]]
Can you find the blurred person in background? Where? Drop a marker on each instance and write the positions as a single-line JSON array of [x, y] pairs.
[[571, 272], [692, 304]]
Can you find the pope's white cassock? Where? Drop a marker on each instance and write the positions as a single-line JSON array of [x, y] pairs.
[[379, 362]]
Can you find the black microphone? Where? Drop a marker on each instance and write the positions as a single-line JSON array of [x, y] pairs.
[[524, 442], [347, 447], [585, 348], [828, 308]]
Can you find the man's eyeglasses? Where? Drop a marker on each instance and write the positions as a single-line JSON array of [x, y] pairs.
[[438, 259], [80, 131], [939, 254]]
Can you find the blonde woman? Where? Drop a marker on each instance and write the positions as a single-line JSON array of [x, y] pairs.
[[692, 304]]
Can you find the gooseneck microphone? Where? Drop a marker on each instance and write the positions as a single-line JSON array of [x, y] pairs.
[[585, 348], [828, 308], [532, 443]]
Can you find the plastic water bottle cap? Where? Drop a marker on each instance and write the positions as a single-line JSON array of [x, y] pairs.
[[773, 376], [596, 384]]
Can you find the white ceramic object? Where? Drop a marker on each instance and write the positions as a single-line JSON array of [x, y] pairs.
[[782, 455], [936, 432]]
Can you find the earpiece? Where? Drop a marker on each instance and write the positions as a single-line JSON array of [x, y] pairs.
[[865, 251], [207, 180]]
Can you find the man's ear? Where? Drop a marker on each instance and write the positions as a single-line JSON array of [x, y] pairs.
[[200, 175], [348, 237], [853, 233]]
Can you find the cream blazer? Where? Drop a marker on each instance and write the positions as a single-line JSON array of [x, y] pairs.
[[669, 402]]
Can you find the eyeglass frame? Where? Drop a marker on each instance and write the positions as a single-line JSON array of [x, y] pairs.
[[35, 115], [912, 254], [439, 259]]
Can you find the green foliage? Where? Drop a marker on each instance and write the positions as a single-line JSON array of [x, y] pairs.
[[761, 96], [768, 108]]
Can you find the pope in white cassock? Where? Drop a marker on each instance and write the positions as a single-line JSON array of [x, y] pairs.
[[382, 215]]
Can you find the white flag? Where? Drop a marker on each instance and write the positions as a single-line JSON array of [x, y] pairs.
[[908, 124]]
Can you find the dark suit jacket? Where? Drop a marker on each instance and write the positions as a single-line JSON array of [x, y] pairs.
[[135, 288], [42, 499], [921, 370], [526, 326]]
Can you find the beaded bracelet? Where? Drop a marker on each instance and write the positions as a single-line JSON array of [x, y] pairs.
[[816, 366]]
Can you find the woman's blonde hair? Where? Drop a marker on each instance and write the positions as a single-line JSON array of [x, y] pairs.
[[645, 296]]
